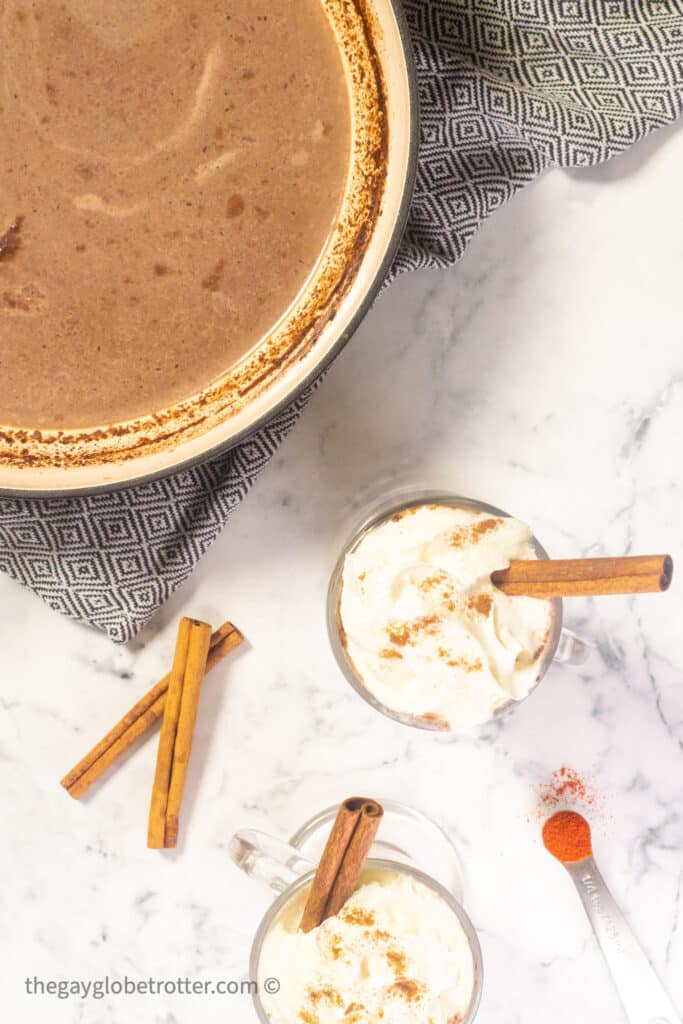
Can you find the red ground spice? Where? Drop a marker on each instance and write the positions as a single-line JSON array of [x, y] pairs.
[[567, 835], [566, 786]]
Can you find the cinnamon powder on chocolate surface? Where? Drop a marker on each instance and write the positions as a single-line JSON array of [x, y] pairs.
[[402, 633], [481, 603], [408, 989], [463, 536], [397, 960], [325, 995], [389, 653], [355, 1010], [358, 915]]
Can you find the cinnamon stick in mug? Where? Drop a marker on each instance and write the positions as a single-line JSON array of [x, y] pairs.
[[585, 577], [187, 672], [342, 861], [141, 717]]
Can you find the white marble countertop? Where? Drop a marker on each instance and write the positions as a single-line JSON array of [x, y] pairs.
[[543, 374]]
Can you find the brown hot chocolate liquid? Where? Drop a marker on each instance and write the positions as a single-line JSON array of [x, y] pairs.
[[169, 174]]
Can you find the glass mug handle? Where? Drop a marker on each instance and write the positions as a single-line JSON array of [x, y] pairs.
[[571, 649], [268, 859]]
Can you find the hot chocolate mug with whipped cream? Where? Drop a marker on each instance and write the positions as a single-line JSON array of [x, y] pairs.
[[401, 949], [417, 626]]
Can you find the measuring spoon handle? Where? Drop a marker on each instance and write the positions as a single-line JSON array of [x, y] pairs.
[[639, 988]]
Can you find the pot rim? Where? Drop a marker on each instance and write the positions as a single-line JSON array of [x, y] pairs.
[[223, 447]]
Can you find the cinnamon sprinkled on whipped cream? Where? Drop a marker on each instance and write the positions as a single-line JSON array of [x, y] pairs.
[[423, 627], [396, 952]]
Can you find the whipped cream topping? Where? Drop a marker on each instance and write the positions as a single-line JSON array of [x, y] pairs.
[[423, 627], [396, 952]]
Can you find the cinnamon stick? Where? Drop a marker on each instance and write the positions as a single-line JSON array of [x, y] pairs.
[[583, 577], [342, 861], [194, 675], [187, 672], [138, 727], [162, 774], [141, 717]]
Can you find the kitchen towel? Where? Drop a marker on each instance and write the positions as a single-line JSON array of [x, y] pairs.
[[507, 88]]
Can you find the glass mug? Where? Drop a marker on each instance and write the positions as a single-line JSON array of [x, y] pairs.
[[562, 646], [286, 870]]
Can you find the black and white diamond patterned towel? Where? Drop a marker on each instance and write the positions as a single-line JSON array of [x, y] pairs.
[[507, 88]]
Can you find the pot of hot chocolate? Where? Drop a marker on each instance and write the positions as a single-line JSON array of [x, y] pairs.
[[197, 208]]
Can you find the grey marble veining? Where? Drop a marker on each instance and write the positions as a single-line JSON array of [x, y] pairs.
[[543, 374]]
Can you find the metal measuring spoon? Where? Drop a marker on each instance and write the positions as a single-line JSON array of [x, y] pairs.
[[567, 836]]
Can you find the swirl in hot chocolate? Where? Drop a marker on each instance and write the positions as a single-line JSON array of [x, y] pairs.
[[170, 175]]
